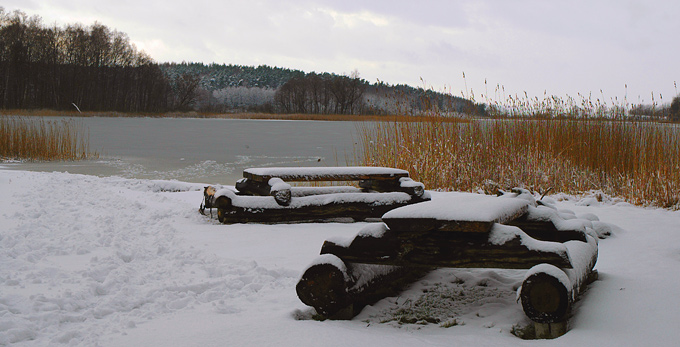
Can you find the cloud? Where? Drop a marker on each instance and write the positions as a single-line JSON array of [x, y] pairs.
[[526, 45]]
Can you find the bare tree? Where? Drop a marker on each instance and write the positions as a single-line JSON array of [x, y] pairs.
[[186, 91]]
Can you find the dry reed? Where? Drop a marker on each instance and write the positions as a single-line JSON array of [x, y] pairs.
[[639, 162], [43, 140]]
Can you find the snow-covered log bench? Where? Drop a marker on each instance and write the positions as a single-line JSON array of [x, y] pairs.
[[469, 231], [265, 196]]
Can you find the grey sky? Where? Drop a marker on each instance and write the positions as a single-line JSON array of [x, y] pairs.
[[561, 47]]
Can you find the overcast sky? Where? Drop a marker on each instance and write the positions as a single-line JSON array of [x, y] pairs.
[[563, 47]]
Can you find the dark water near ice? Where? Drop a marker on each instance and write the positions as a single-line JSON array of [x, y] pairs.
[[205, 150]]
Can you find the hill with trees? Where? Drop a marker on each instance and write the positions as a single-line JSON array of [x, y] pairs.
[[96, 68], [229, 88]]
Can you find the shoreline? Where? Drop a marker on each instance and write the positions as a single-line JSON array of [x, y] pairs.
[[238, 115]]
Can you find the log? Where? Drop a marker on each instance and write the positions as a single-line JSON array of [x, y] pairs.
[[228, 213], [419, 224], [325, 287], [275, 187], [309, 191], [545, 297], [546, 230], [250, 187], [339, 290], [254, 188], [448, 249], [403, 184], [372, 242], [280, 191], [548, 292], [546, 223], [358, 206]]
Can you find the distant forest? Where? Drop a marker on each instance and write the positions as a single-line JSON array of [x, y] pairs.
[[95, 68]]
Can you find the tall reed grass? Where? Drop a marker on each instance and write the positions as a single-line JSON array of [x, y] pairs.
[[39, 139], [639, 162]]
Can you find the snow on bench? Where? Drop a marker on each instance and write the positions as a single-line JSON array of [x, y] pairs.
[[272, 180], [256, 203], [462, 212], [461, 230], [263, 195], [333, 173]]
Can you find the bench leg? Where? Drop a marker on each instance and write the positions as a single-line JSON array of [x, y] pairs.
[[550, 330]]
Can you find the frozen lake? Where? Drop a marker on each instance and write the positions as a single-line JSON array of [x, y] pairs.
[[205, 150]]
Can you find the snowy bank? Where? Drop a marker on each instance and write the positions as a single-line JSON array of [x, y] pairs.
[[120, 262]]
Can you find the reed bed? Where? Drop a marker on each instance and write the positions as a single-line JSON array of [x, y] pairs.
[[37, 139], [639, 162]]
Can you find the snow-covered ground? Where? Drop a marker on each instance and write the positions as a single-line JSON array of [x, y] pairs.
[[124, 262]]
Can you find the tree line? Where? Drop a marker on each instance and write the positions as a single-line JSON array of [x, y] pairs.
[[93, 67], [322, 94]]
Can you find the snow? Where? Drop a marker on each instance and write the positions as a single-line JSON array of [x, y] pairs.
[[306, 191], [463, 207], [91, 261], [332, 260], [375, 230], [268, 202], [406, 182], [552, 271], [324, 171], [501, 234], [278, 184], [581, 254]]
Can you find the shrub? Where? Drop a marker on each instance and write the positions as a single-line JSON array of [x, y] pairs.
[[675, 109]]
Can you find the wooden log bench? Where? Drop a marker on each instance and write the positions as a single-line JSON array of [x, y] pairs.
[[464, 231], [264, 195]]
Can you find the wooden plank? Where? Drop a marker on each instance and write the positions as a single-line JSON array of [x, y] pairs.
[[333, 173], [397, 185], [446, 249], [431, 224], [227, 212]]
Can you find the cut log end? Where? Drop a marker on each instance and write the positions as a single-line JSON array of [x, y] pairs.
[[223, 204], [323, 287], [282, 196], [545, 299]]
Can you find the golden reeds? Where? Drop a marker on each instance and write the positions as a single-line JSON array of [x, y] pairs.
[[639, 162], [39, 139]]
